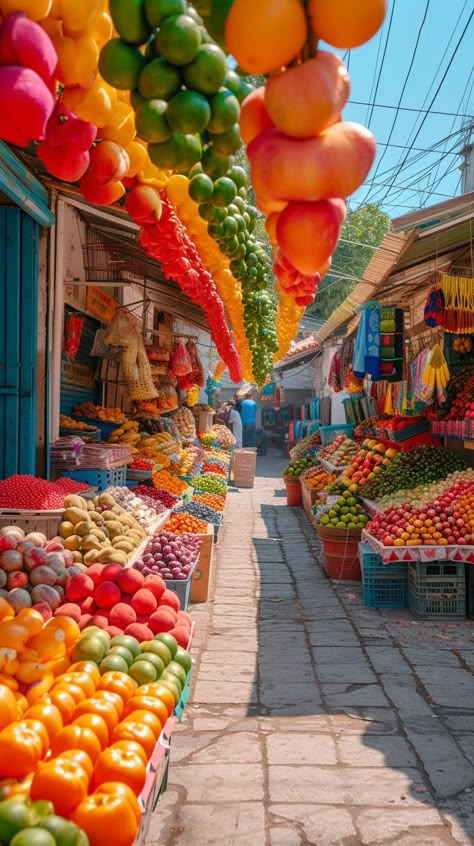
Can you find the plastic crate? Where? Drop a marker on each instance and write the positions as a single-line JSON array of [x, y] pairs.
[[104, 426], [100, 479], [409, 431], [384, 585], [470, 590], [46, 522], [79, 433], [330, 433], [437, 590], [182, 589], [138, 475]]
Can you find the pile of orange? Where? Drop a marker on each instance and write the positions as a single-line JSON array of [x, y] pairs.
[[183, 523], [214, 501], [163, 480]]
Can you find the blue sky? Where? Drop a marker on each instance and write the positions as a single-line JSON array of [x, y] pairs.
[[425, 178]]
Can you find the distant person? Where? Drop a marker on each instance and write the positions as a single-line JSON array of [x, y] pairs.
[[227, 415], [248, 413]]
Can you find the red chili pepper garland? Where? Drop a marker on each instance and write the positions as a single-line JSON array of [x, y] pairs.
[[168, 242]]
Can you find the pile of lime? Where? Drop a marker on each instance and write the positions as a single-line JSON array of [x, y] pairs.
[[296, 468], [345, 513]]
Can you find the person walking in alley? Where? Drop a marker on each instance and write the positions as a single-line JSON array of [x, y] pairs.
[[248, 413], [230, 417]]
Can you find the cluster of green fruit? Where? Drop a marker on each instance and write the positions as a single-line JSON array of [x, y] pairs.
[[423, 465], [27, 823], [296, 468], [146, 662], [345, 513], [177, 82]]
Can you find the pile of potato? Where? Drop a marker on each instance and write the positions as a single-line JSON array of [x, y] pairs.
[[99, 530]]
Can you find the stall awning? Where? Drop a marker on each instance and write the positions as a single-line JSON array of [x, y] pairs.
[[418, 247], [20, 186]]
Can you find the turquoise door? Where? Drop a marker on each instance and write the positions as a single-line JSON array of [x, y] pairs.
[[19, 239]]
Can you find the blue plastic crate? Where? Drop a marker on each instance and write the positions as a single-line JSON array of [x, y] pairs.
[[101, 479], [330, 433], [437, 590], [106, 428], [384, 585], [182, 588]]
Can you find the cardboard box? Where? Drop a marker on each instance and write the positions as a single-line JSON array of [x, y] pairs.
[[244, 462], [202, 573]]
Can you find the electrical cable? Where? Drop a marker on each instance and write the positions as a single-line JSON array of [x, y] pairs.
[[459, 109], [433, 99], [405, 83], [373, 93]]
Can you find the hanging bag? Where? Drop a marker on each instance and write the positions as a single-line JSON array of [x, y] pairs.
[[434, 308]]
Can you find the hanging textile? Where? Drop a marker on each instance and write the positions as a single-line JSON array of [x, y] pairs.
[[334, 374], [347, 351], [366, 358], [458, 294], [434, 308]]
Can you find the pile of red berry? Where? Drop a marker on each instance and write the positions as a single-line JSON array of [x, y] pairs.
[[166, 499], [29, 492], [141, 464]]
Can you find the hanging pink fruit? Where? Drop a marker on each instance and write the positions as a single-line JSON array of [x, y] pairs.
[[23, 43], [65, 128], [97, 193], [26, 105], [307, 233], [66, 164]]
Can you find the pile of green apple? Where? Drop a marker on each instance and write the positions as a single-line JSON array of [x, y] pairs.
[[27, 823]]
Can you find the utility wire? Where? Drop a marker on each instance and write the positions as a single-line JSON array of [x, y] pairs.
[[405, 83], [433, 99], [374, 94]]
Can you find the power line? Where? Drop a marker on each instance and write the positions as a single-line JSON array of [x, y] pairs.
[[406, 109], [392, 11], [437, 91], [459, 109], [405, 83]]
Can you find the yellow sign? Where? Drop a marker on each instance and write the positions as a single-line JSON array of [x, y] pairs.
[[100, 304]]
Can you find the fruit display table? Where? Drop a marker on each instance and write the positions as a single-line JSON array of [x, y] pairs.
[[389, 554]]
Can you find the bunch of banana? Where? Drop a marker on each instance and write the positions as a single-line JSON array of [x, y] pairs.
[[125, 434], [160, 443]]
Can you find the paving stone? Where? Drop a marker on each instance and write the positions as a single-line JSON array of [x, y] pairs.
[[349, 786], [318, 824], [352, 695], [291, 748], [232, 823], [215, 783], [448, 770], [278, 694], [335, 654], [238, 748], [410, 826], [375, 751], [346, 674], [214, 692]]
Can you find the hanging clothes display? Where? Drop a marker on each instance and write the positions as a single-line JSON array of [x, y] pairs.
[[458, 316], [334, 374], [366, 359]]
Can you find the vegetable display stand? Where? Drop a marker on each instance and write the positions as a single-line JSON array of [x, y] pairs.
[[437, 590], [384, 585], [156, 780], [330, 433], [293, 491], [202, 573], [341, 553], [182, 588], [308, 498], [46, 522]]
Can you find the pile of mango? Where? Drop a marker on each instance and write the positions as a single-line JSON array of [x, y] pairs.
[[99, 530]]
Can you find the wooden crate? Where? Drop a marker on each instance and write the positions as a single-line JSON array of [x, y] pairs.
[[202, 573], [308, 498]]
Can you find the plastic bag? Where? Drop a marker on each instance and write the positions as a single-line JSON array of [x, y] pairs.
[[72, 335], [198, 370], [157, 353], [181, 363], [100, 349], [121, 330]]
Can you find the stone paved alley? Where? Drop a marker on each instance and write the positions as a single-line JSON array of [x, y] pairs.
[[313, 720]]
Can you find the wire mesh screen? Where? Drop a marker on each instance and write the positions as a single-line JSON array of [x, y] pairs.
[[112, 260]]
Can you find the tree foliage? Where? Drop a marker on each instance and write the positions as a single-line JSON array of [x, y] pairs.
[[362, 232]]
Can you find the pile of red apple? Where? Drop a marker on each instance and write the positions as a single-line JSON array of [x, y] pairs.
[[439, 523], [121, 600], [462, 406]]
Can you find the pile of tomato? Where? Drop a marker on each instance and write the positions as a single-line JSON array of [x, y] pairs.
[[184, 523]]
